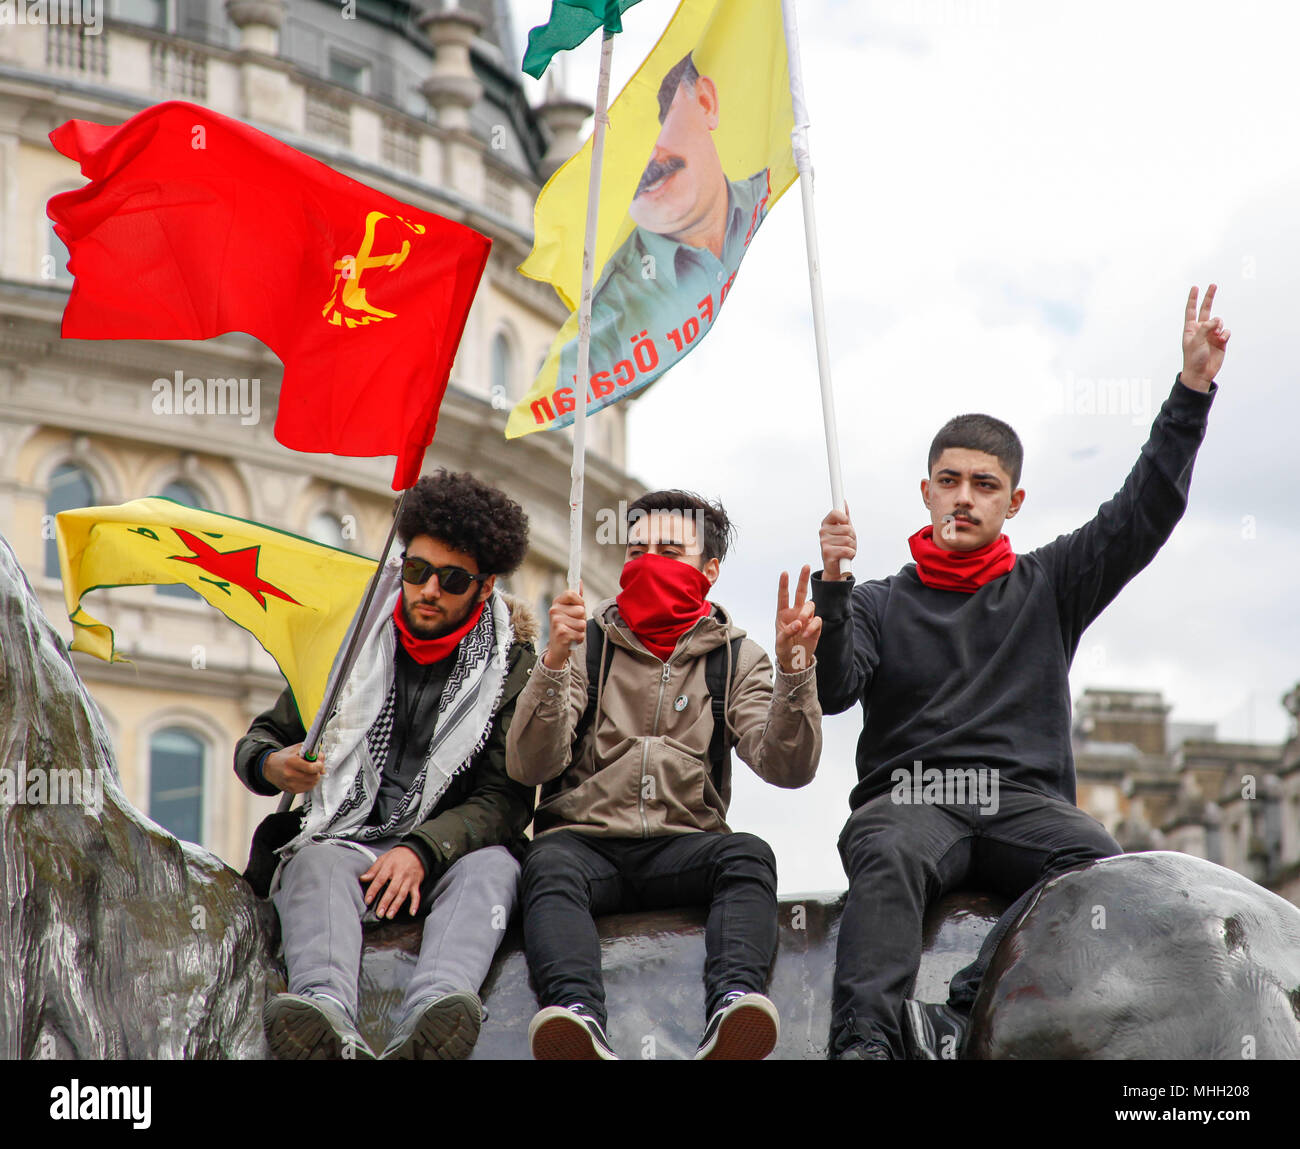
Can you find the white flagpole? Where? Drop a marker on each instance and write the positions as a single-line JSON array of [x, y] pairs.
[[803, 161], [584, 317]]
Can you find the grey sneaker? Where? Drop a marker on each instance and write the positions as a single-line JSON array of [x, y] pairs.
[[568, 1033], [437, 1029], [312, 1027], [745, 1027]]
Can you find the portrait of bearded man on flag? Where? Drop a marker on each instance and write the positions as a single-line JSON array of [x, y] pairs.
[[694, 224], [699, 149]]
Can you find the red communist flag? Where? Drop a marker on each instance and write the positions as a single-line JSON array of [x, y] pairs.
[[195, 224]]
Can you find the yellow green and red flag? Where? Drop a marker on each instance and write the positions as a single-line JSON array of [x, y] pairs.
[[295, 596]]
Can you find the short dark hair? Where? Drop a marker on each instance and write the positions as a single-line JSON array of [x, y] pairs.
[[981, 433], [718, 533], [469, 516], [682, 72]]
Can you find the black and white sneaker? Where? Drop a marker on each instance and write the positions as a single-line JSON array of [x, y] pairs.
[[745, 1027], [568, 1033]]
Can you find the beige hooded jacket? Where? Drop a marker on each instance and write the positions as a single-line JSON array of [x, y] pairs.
[[642, 769]]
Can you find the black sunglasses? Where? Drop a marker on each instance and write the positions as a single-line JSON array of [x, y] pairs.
[[454, 580]]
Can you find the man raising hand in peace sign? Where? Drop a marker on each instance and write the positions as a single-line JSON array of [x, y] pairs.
[[629, 733], [961, 663]]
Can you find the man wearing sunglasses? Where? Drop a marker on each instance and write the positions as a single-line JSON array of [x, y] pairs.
[[621, 733], [409, 810]]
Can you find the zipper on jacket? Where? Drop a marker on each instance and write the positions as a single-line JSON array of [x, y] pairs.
[[645, 748]]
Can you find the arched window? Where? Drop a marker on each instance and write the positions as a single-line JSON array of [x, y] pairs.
[[543, 620], [56, 270], [152, 13], [180, 492], [503, 372], [327, 528], [70, 487], [176, 782]]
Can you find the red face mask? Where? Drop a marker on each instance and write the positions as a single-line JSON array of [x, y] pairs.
[[429, 650], [661, 600], [959, 570]]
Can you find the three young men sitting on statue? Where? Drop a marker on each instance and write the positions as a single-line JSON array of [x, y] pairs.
[[960, 662]]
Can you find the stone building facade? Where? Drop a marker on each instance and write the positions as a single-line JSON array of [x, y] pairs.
[[1160, 785], [422, 101]]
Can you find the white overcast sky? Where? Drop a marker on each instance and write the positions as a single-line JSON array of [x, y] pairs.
[[1012, 197]]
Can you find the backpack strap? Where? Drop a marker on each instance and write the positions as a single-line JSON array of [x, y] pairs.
[[595, 648], [715, 677]]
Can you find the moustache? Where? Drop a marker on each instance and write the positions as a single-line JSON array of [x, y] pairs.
[[655, 170]]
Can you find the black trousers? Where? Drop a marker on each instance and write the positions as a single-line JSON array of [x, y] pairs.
[[571, 877], [900, 858]]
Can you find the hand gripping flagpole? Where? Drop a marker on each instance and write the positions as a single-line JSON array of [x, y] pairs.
[[340, 674], [803, 161], [584, 316]]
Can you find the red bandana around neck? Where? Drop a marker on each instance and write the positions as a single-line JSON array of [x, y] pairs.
[[428, 650], [661, 599], [965, 571]]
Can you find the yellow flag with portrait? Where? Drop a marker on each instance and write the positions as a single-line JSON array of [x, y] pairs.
[[697, 152]]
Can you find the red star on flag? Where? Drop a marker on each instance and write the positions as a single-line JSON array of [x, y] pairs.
[[237, 567]]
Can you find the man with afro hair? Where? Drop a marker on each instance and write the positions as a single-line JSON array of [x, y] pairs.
[[409, 811]]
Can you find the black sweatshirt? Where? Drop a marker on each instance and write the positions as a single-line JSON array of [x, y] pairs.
[[952, 679]]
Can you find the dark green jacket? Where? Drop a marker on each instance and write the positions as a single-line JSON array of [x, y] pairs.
[[482, 805]]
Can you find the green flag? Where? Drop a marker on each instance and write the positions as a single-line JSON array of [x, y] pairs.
[[571, 22]]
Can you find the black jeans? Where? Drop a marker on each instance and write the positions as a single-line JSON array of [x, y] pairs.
[[900, 858], [571, 877]]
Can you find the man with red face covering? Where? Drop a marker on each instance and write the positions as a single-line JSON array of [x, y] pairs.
[[633, 802]]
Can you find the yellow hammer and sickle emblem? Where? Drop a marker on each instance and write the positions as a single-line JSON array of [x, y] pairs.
[[347, 294]]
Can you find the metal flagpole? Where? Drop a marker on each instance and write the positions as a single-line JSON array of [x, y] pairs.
[[584, 316], [349, 656], [803, 161]]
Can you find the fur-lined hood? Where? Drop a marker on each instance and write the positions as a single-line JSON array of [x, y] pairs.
[[523, 618]]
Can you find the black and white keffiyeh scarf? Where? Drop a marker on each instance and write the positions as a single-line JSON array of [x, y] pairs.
[[354, 746]]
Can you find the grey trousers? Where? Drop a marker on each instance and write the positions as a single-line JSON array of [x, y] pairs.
[[321, 903]]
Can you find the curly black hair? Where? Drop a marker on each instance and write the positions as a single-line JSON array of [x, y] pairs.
[[469, 516]]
